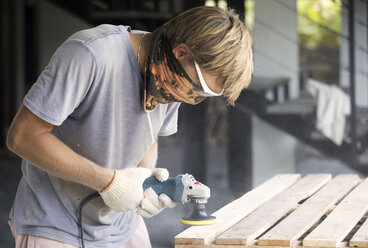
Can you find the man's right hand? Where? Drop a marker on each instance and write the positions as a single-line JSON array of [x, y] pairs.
[[125, 192]]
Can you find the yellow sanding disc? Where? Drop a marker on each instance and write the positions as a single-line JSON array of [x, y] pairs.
[[199, 222]]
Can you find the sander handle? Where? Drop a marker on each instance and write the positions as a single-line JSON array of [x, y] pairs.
[[172, 187]]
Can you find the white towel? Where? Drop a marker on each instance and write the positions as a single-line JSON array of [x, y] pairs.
[[333, 104]]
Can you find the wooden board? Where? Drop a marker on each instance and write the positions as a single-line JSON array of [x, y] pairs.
[[269, 213], [305, 216], [360, 238], [341, 220], [212, 245], [236, 210], [344, 222]]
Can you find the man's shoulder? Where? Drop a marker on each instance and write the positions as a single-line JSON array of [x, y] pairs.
[[89, 36], [103, 42]]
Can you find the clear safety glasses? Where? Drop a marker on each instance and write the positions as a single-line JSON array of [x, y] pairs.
[[206, 90]]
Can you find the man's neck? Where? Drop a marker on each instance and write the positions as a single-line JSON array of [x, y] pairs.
[[144, 50]]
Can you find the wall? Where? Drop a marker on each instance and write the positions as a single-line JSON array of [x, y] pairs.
[[275, 54], [55, 26], [273, 152], [276, 40], [361, 51]]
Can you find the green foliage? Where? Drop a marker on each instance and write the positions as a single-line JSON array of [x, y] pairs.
[[319, 23], [249, 16]]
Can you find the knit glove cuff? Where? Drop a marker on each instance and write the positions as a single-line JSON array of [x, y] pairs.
[[125, 192]]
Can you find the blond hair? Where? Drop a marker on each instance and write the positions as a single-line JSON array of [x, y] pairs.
[[220, 43]]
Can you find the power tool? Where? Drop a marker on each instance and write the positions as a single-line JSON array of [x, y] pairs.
[[184, 188]]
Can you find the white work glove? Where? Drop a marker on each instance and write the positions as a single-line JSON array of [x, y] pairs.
[[125, 192], [152, 203]]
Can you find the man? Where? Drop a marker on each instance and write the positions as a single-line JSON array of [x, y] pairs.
[[91, 122]]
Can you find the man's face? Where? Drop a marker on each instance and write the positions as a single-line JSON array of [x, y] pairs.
[[213, 82]]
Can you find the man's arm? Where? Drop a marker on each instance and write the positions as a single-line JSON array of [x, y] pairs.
[[150, 158], [30, 137]]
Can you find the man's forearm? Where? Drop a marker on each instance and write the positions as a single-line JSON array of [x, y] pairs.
[[38, 146], [150, 158], [51, 155]]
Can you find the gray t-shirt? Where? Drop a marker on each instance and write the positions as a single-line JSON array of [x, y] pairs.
[[91, 93]]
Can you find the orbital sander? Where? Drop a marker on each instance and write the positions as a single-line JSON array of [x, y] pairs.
[[184, 188]]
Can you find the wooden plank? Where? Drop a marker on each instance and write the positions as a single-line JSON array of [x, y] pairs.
[[305, 216], [341, 220], [269, 213], [236, 210], [360, 238], [212, 245]]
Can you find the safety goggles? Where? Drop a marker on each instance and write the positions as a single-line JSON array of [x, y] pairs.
[[206, 90]]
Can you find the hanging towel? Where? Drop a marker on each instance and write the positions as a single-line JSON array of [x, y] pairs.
[[333, 104]]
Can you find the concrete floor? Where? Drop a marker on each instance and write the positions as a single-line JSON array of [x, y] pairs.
[[163, 227]]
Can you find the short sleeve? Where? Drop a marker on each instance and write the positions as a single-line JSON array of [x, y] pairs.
[[63, 84], [170, 124]]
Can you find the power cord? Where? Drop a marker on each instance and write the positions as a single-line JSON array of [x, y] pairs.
[[81, 205]]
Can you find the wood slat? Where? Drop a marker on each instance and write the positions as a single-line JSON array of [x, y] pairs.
[[269, 213], [360, 238], [236, 210], [341, 220], [212, 245], [304, 217]]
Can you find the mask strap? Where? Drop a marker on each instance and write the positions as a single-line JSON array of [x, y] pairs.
[[150, 127]]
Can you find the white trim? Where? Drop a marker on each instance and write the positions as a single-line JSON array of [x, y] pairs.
[[203, 83], [150, 127]]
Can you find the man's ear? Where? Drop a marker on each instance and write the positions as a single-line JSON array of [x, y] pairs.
[[181, 51]]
